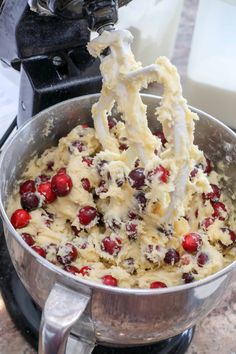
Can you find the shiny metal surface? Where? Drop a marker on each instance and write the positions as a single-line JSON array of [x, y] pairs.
[[119, 316], [62, 309]]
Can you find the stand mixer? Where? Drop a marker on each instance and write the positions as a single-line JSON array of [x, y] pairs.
[[46, 40]]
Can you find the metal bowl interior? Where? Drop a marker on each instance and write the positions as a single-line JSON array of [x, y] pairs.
[[216, 140], [119, 316]]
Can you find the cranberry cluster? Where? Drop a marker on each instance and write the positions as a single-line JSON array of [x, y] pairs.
[[33, 194], [138, 180], [111, 246]]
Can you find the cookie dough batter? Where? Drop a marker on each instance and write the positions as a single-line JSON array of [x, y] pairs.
[[119, 204]]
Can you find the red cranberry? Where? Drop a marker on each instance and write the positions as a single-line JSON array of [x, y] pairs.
[[161, 171], [132, 231], [87, 214], [232, 236], [67, 253], [195, 170], [192, 242], [193, 173], [87, 160], [209, 166], [220, 211], [109, 280], [137, 178], [83, 245], [41, 179], [27, 186], [61, 184], [214, 196], [230, 232], [111, 246], [46, 190], [85, 270], [86, 184], [50, 165], [28, 239], [202, 259], [142, 200], [188, 278], [157, 285], [164, 174], [29, 201], [39, 250], [123, 147], [172, 256], [85, 126], [161, 136], [132, 215], [111, 122], [20, 218], [206, 223], [78, 145], [71, 269]]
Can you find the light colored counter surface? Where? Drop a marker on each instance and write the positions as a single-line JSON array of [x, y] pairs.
[[217, 332]]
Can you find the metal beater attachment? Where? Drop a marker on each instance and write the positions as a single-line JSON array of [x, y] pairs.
[[122, 85]]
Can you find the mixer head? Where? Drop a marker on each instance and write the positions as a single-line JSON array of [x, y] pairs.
[[99, 13]]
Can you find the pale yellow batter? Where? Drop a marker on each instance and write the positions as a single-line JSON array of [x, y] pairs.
[[133, 208]]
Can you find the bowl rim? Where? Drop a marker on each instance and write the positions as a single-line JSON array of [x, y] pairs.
[[80, 281]]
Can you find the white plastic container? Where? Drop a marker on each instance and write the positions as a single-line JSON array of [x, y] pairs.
[[211, 74], [154, 24]]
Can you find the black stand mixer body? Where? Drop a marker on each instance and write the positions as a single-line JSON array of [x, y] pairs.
[[49, 48]]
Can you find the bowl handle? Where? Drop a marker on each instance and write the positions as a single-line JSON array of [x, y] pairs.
[[62, 309]]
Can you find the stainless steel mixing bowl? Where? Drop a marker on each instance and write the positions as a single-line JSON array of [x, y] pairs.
[[96, 313]]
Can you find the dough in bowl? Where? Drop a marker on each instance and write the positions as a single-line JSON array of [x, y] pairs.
[[120, 205]]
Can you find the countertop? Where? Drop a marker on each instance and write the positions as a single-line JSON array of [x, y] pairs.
[[217, 332]]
